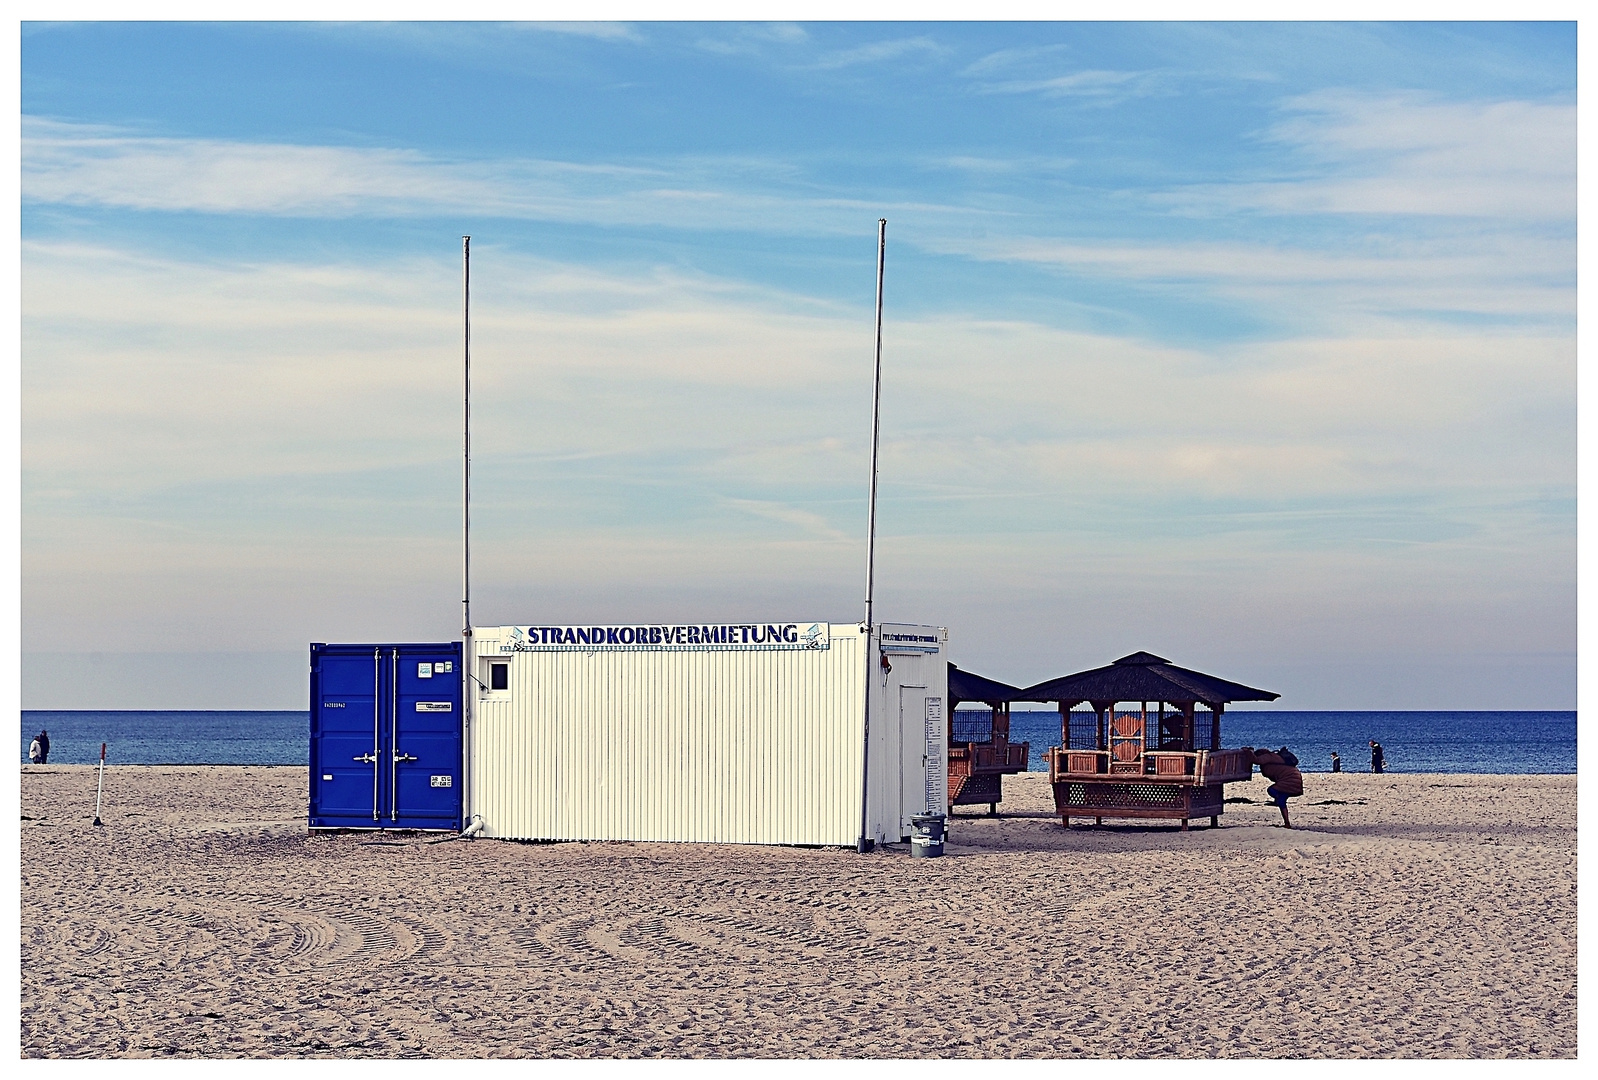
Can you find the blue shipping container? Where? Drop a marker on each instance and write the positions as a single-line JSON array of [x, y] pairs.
[[386, 736]]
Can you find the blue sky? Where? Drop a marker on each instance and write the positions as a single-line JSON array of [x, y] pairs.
[[1249, 344]]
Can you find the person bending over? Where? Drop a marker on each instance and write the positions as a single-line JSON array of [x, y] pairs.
[[1286, 781]]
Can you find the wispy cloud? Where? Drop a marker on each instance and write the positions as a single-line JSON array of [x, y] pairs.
[[69, 164], [1413, 155], [879, 51], [808, 523], [1083, 84], [1496, 274]]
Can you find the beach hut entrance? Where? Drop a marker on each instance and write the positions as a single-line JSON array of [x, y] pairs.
[[912, 769], [385, 736]]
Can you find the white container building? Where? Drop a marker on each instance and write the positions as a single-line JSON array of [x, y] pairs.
[[724, 733]]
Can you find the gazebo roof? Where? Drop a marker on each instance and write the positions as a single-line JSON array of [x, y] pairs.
[[1142, 677], [966, 686]]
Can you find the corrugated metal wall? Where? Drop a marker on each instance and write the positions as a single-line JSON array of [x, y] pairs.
[[718, 746]]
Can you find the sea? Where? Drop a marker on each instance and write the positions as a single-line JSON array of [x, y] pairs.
[[1420, 742]]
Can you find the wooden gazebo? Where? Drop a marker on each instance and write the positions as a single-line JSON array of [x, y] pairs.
[[977, 766], [1159, 762]]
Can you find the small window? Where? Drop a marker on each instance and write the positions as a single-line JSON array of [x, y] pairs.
[[499, 676]]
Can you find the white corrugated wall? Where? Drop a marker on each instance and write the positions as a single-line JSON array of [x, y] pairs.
[[717, 746]]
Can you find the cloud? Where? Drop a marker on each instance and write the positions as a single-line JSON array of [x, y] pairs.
[[1409, 154], [810, 524], [1500, 275], [77, 165], [879, 51], [1086, 84], [266, 453]]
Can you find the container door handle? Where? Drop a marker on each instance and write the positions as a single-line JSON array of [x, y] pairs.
[[406, 757], [367, 758]]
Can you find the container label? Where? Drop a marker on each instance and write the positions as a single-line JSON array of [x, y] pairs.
[[424, 671], [684, 637], [435, 706], [441, 781]]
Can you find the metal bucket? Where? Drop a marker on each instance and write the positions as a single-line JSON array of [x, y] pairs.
[[926, 836]]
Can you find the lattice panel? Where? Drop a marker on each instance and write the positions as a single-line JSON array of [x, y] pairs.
[[981, 789], [1124, 796]]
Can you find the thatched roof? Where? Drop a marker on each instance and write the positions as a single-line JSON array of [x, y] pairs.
[[1143, 677], [966, 686]]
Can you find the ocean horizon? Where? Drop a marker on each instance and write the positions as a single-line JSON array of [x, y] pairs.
[[1417, 741]]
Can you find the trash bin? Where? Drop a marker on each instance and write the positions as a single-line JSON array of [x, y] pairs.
[[926, 836]]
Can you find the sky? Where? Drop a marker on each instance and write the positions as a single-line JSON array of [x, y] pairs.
[[1251, 345]]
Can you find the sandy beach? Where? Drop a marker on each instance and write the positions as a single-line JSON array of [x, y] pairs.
[[1406, 915]]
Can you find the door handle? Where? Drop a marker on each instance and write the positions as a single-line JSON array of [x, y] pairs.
[[406, 757], [370, 759]]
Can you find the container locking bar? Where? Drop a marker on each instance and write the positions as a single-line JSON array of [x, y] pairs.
[[393, 737], [377, 722]]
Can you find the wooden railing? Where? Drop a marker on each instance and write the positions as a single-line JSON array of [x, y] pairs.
[[994, 756], [1200, 767]]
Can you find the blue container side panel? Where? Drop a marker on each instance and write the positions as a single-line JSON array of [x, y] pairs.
[[392, 703]]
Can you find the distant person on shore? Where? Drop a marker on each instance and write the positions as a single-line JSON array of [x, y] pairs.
[[44, 747], [34, 753], [1378, 759], [1286, 781], [1337, 762]]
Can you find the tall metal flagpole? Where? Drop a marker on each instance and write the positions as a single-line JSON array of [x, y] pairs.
[[468, 657], [466, 438], [865, 843]]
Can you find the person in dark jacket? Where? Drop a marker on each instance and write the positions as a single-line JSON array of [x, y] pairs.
[[1378, 759], [1337, 762], [1286, 781], [44, 747]]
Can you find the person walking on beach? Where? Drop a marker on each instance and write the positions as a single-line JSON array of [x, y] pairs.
[[1337, 762], [44, 747], [1378, 759], [1286, 781], [34, 752]]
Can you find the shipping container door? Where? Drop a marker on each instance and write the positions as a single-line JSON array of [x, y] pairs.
[[385, 736], [425, 763], [346, 747]]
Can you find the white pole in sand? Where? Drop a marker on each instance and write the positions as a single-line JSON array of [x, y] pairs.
[[101, 789]]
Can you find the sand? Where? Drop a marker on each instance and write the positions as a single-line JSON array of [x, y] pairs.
[[1408, 915]]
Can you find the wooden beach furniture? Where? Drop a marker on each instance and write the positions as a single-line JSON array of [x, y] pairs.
[[1162, 759], [981, 756]]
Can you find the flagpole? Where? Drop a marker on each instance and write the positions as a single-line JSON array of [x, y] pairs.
[[866, 843], [466, 437]]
